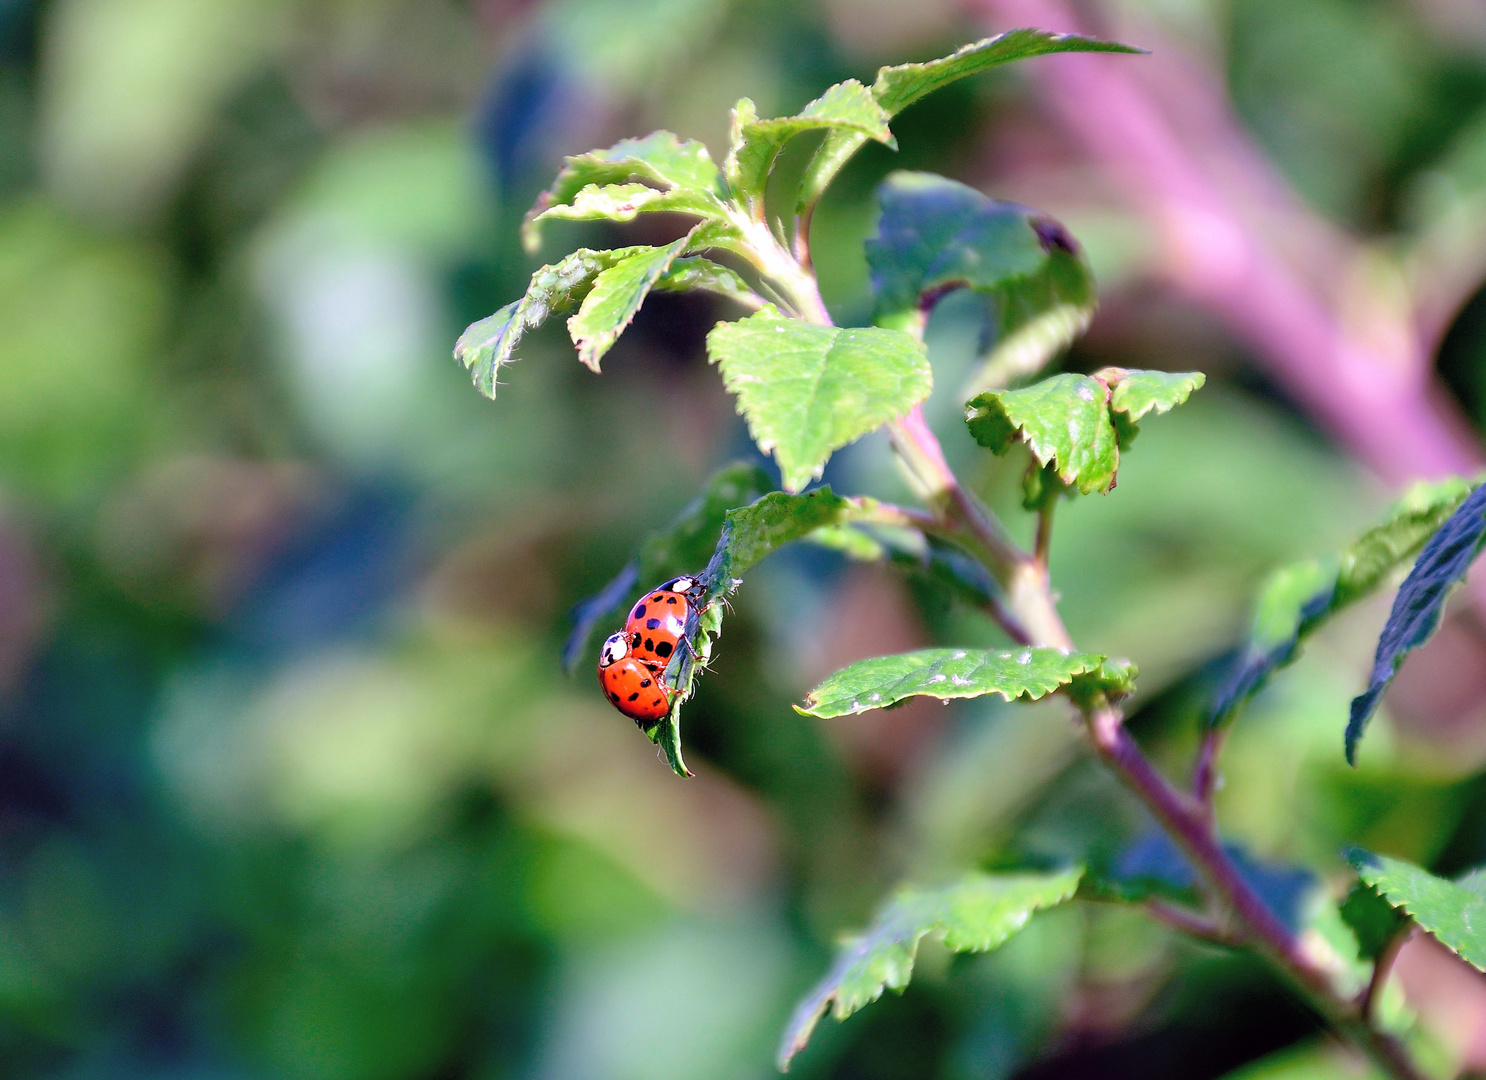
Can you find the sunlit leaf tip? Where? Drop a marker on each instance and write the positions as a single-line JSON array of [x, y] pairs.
[[976, 914], [1419, 605]]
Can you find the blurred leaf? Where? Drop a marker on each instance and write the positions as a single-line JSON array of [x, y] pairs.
[[613, 299], [491, 342], [680, 548], [1114, 680], [976, 914], [1454, 912], [1371, 918], [752, 532], [1419, 604], [847, 106], [1064, 420], [683, 169], [1299, 598], [935, 235], [1132, 394], [808, 390], [898, 87], [1307, 1061], [1020, 674]]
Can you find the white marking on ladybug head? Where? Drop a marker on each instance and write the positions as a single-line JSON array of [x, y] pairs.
[[683, 584], [615, 649]]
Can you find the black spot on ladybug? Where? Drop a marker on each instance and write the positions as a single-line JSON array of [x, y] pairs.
[[656, 701], [655, 599], [639, 612], [614, 697], [663, 649], [635, 696], [650, 644], [644, 683], [635, 641], [652, 624], [670, 599]]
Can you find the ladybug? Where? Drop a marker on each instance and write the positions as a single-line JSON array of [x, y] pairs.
[[663, 620], [633, 685]]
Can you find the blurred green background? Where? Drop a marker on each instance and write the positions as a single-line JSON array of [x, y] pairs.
[[291, 782]]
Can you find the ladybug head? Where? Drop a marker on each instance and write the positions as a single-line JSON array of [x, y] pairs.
[[682, 585], [615, 649]]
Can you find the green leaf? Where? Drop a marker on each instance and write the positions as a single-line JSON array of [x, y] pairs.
[[1133, 394], [683, 168], [806, 390], [1027, 674], [1039, 316], [1063, 420], [1453, 911], [976, 914], [847, 106], [750, 533], [1299, 598], [685, 544], [624, 202], [935, 235], [1372, 919], [1420, 603], [695, 272], [898, 87], [616, 295], [491, 342]]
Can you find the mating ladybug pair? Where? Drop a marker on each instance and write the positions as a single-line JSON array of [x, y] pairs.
[[632, 664]]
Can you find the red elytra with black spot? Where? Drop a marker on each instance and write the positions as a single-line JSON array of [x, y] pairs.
[[661, 620], [633, 686]]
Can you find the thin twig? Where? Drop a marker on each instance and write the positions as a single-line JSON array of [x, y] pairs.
[[1382, 967], [1205, 775], [1188, 921], [1042, 546]]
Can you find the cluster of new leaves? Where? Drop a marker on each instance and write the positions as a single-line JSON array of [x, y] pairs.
[[805, 390]]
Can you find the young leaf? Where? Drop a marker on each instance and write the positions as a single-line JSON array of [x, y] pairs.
[[1132, 394], [1063, 420], [682, 168], [976, 914], [1299, 598], [898, 87], [679, 548], [1027, 673], [623, 202], [935, 235], [806, 390], [1419, 603], [1453, 911], [749, 533], [1372, 919], [847, 106], [616, 295], [695, 272], [491, 342]]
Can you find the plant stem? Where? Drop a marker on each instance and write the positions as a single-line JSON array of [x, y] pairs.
[[1188, 922], [1044, 542], [1382, 967], [1205, 774]]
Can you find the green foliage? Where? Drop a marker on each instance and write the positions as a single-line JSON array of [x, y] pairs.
[[1024, 674], [615, 296], [935, 235], [1075, 425], [1420, 602], [976, 914], [555, 288], [1301, 597], [900, 86], [1373, 921], [808, 390], [847, 107], [1453, 911], [695, 272], [682, 170]]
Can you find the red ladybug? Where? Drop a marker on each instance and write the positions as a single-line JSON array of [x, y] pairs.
[[662, 620], [634, 686]]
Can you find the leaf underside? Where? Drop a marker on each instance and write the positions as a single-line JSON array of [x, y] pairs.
[[976, 914], [1027, 674], [1454, 912], [1420, 602], [615, 297], [807, 390], [1301, 597]]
